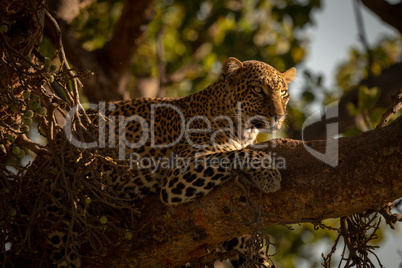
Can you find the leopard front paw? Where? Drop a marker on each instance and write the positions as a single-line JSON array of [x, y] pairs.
[[261, 172], [267, 180]]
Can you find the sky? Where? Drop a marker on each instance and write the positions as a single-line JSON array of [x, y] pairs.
[[336, 32], [333, 35]]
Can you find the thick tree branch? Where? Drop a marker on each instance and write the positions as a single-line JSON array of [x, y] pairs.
[[369, 175], [389, 13]]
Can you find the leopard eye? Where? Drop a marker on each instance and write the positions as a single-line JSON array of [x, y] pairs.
[[283, 93], [257, 89]]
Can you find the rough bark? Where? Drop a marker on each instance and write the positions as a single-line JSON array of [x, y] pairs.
[[389, 13], [369, 175]]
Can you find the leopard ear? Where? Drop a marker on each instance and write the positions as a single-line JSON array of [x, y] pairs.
[[231, 65], [289, 75]]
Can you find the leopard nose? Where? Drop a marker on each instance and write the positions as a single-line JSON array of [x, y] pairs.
[[278, 117]]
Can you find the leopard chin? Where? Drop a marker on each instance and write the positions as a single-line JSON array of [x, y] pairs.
[[266, 127], [268, 130]]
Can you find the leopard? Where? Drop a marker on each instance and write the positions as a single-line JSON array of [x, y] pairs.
[[183, 148], [207, 133]]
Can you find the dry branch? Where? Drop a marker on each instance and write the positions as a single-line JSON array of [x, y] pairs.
[[395, 107], [367, 177]]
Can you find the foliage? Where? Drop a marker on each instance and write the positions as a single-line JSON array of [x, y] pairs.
[[95, 23], [387, 52], [198, 36], [300, 244], [357, 68]]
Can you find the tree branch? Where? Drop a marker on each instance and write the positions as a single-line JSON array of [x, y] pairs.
[[389, 13], [388, 82], [369, 175], [395, 107], [363, 36]]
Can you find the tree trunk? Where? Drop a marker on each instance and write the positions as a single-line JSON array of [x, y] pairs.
[[110, 64]]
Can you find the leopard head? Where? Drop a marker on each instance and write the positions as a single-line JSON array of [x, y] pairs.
[[262, 91]]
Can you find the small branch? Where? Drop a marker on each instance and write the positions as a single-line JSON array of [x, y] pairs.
[[17, 54], [362, 34], [23, 140], [390, 218], [160, 63], [395, 107], [75, 81], [59, 43]]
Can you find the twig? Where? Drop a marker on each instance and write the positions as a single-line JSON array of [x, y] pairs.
[[16, 53], [61, 51], [74, 79], [390, 218], [327, 259], [31, 145], [362, 35], [160, 63], [393, 109]]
